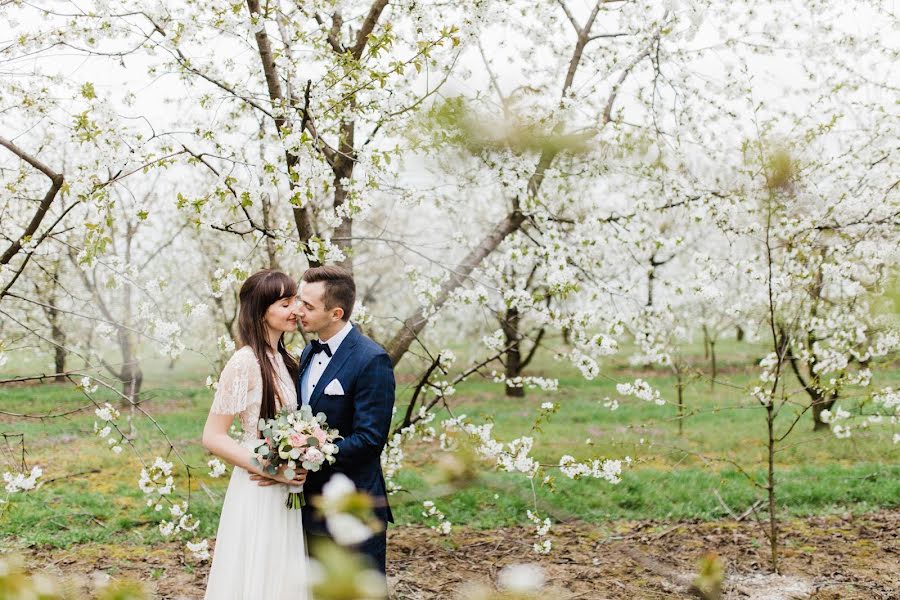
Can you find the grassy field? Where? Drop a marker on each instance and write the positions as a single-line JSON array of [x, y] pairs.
[[91, 494]]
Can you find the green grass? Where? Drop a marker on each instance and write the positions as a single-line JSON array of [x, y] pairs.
[[94, 497]]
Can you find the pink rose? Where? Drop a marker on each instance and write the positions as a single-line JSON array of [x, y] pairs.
[[314, 456], [320, 435], [297, 440]]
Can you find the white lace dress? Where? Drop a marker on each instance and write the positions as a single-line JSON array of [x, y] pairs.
[[259, 551]]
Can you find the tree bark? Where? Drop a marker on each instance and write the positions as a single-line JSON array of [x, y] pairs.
[[59, 351], [510, 326], [416, 322]]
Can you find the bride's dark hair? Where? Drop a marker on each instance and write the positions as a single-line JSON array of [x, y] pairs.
[[258, 293]]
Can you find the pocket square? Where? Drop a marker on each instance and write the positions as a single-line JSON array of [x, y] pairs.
[[334, 388]]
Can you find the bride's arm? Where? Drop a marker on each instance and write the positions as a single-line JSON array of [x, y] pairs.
[[217, 441], [238, 390]]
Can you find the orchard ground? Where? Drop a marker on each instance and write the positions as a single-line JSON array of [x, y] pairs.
[[681, 497]]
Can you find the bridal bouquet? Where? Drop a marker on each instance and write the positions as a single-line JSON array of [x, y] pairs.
[[295, 439]]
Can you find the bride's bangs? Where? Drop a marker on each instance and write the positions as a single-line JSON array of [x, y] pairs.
[[277, 286]]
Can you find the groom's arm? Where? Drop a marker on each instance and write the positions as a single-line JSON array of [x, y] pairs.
[[373, 403]]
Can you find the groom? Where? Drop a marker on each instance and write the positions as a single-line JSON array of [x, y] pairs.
[[350, 378]]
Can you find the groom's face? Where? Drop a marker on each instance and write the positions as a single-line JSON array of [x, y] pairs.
[[314, 317]]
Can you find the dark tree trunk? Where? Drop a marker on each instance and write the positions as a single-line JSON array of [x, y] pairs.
[[59, 350], [510, 327], [740, 334], [679, 388]]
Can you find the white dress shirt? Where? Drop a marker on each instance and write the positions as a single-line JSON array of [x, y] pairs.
[[320, 361]]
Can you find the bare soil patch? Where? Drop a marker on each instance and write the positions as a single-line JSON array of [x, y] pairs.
[[823, 558]]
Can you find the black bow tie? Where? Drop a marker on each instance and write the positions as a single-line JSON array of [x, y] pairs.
[[318, 346]]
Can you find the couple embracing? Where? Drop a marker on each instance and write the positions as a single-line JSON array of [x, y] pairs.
[[261, 545]]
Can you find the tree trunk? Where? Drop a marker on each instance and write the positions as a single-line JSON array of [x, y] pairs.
[[740, 334], [343, 171], [770, 487], [679, 388], [59, 360], [712, 360], [59, 342], [510, 325]]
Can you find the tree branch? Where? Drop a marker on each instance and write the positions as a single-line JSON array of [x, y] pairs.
[[57, 182], [362, 38]]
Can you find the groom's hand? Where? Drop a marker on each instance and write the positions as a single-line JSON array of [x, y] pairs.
[[267, 480]]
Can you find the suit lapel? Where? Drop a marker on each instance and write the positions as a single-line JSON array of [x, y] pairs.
[[304, 364], [334, 366]]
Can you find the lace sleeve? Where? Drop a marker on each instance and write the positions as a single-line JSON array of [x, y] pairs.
[[239, 383]]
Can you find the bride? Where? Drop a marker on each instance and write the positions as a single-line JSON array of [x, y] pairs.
[[259, 551]]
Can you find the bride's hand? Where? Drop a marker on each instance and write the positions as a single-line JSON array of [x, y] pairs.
[[267, 480]]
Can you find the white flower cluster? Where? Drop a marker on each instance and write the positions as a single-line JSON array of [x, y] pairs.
[[87, 388], [763, 396], [157, 482], [225, 345], [531, 382], [834, 419], [195, 309], [589, 367], [324, 251], [392, 455], [494, 341], [513, 457], [169, 334], [217, 467], [889, 400], [227, 280], [611, 404], [608, 469], [446, 358], [361, 314], [477, 296], [425, 288], [199, 550], [767, 365], [108, 414], [640, 389], [181, 521], [432, 514], [542, 546], [18, 482]]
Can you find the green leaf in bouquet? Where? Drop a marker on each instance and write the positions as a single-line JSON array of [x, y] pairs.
[[255, 462], [271, 469], [321, 417], [312, 442], [289, 473], [261, 425]]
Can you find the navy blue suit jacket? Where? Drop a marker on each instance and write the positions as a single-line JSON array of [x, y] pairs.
[[362, 415]]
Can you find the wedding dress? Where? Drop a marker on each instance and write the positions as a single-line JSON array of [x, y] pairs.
[[259, 550]]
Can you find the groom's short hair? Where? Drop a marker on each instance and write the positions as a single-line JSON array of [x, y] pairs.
[[340, 289]]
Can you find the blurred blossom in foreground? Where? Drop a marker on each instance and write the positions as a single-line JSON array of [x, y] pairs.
[[339, 574], [348, 513]]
